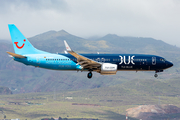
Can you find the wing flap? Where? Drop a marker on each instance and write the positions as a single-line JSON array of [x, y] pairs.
[[15, 55]]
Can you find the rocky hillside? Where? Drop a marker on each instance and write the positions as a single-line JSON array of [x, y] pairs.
[[5, 91], [155, 112]]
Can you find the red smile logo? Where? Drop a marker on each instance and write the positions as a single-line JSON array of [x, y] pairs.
[[19, 47]]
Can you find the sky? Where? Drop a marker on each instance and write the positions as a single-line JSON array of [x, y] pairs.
[[158, 19]]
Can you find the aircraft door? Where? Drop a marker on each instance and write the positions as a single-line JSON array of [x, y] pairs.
[[38, 60], [153, 60], [143, 62]]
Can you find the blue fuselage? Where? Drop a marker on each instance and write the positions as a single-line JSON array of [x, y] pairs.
[[137, 62]]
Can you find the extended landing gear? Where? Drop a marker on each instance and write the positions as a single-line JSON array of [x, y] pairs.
[[155, 75], [89, 75]]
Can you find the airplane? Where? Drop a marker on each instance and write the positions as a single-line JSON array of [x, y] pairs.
[[105, 64]]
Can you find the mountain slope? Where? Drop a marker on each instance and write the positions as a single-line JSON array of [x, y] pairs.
[[5, 91]]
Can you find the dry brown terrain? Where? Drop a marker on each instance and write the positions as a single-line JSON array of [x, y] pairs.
[[150, 112]]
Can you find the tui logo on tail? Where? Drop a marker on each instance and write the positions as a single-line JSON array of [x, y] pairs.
[[19, 47]]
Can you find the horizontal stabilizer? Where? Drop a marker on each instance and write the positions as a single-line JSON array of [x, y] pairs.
[[15, 55]]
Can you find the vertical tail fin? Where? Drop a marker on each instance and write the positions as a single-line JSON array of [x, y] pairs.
[[20, 43]]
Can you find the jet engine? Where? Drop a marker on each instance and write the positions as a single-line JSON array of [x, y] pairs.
[[108, 69]]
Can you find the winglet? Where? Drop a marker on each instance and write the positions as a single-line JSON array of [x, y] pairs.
[[67, 46]]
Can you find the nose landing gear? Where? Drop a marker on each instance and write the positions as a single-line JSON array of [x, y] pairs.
[[155, 75], [89, 75]]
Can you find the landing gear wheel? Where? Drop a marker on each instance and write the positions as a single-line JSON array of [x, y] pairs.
[[89, 75], [156, 75]]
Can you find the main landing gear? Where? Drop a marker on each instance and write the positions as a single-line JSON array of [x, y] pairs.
[[89, 75]]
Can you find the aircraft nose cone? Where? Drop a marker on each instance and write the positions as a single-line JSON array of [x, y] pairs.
[[169, 64]]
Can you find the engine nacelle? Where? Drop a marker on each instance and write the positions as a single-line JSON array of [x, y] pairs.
[[108, 69]]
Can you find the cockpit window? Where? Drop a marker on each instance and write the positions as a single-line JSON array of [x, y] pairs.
[[162, 59]]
